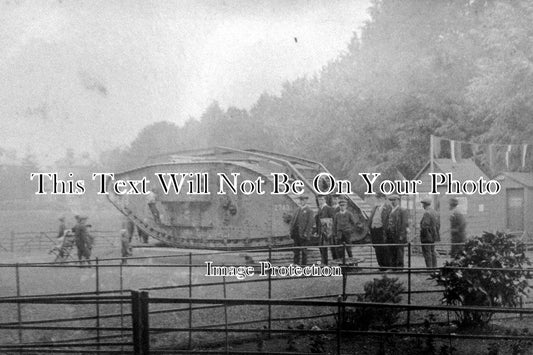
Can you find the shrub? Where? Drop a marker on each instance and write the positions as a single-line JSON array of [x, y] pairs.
[[491, 288], [384, 290]]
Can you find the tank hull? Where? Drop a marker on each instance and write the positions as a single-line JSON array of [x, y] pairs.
[[201, 215]]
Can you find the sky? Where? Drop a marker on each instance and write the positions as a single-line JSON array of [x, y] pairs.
[[89, 75]]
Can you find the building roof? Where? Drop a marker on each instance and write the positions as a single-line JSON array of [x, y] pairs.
[[525, 179], [464, 169]]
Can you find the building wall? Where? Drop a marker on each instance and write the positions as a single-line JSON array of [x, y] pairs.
[[508, 183]]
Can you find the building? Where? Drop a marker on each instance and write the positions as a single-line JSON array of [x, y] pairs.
[[514, 204]]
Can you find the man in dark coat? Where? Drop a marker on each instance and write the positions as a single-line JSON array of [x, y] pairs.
[[324, 225], [397, 231], [379, 218], [336, 253], [429, 233], [301, 228], [82, 239], [344, 225], [457, 228]]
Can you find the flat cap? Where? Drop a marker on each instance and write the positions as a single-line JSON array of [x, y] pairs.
[[394, 197], [426, 201], [453, 201]]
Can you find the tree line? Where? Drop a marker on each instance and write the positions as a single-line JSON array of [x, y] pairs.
[[459, 68]]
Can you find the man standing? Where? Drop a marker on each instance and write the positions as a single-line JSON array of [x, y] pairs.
[[324, 224], [151, 198], [81, 234], [130, 228], [301, 227], [397, 231], [457, 228], [62, 227], [429, 233], [336, 253], [379, 218], [125, 240], [344, 227], [61, 237]]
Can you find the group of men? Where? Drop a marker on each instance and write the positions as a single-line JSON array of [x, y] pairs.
[[388, 225], [334, 225]]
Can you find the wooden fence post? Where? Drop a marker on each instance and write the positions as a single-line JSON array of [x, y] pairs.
[[141, 327], [409, 253]]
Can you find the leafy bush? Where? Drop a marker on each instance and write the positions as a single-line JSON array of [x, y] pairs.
[[384, 290], [493, 288]]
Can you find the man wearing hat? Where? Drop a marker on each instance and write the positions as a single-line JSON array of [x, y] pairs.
[[397, 231], [379, 218], [301, 227], [457, 228], [82, 238], [334, 202], [344, 225], [324, 226], [429, 233]]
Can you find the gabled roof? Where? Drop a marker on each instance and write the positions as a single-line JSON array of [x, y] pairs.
[[525, 179], [464, 169]]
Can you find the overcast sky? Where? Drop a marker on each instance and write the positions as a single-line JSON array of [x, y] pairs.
[[90, 74]]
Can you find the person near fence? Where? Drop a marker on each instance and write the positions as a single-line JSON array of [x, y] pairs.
[[344, 225], [336, 253], [301, 227], [457, 228], [82, 239], [62, 227], [397, 232], [130, 228], [429, 233], [151, 198], [61, 237], [324, 225], [125, 239], [379, 218], [89, 243]]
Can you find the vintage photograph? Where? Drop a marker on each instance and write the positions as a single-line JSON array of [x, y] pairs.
[[266, 177]]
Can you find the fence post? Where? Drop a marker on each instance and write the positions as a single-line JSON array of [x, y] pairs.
[[97, 304], [121, 285], [339, 324], [344, 271], [225, 314], [12, 242], [139, 321], [269, 293], [408, 282], [521, 306], [190, 303], [19, 305], [371, 256]]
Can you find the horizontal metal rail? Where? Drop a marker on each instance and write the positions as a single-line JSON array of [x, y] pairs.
[[284, 302]]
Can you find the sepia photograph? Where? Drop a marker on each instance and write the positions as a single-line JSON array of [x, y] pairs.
[[266, 177]]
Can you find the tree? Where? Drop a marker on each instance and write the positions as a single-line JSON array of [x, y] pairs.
[[501, 93], [157, 138]]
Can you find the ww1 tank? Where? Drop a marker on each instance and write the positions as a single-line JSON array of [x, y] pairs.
[[200, 215]]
